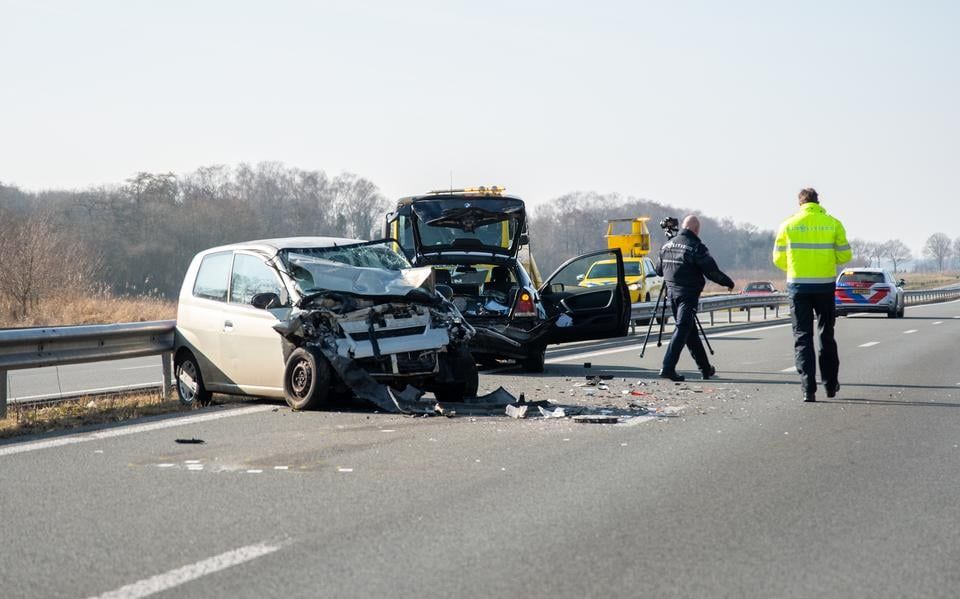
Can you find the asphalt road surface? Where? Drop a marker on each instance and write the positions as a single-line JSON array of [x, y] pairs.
[[748, 493]]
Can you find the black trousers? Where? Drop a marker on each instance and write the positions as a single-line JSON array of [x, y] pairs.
[[684, 310], [803, 306]]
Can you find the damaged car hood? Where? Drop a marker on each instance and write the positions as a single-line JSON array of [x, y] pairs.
[[358, 280]]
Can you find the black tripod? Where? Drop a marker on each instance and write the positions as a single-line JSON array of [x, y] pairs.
[[661, 303]]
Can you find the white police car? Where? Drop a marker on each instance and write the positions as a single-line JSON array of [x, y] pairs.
[[869, 290]]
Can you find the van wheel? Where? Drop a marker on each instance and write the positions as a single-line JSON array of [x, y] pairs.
[[306, 380], [469, 379], [190, 389], [534, 363]]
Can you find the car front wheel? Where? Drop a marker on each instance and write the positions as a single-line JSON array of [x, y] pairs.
[[306, 380]]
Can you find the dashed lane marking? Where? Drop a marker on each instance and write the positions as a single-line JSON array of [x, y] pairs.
[[123, 431], [869, 344], [636, 346], [791, 369], [910, 331], [937, 322], [180, 576]]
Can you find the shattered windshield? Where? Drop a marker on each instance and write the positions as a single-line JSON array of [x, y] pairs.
[[373, 268], [466, 223]]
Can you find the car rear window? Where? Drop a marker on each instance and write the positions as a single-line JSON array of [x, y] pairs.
[[213, 276], [861, 277], [759, 287]]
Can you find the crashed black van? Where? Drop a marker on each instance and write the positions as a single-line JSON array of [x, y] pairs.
[[471, 238]]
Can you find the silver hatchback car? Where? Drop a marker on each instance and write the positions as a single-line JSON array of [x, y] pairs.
[[307, 318]]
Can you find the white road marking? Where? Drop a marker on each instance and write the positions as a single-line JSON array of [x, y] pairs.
[[636, 346], [195, 467], [180, 576], [910, 331], [791, 369], [869, 344], [123, 431], [254, 471], [154, 366], [191, 461], [344, 469], [281, 467], [633, 421], [165, 465], [937, 322]]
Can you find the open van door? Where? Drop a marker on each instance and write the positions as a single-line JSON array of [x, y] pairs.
[[587, 310]]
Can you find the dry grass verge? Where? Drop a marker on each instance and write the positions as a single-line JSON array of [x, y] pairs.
[[86, 411], [97, 308]]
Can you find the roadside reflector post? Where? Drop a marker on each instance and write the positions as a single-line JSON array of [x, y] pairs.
[[167, 361], [3, 394], [764, 312], [730, 316], [748, 313], [711, 317]]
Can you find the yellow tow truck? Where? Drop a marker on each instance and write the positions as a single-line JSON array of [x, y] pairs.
[[632, 237]]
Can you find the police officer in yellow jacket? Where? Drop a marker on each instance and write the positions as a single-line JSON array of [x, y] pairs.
[[810, 246]]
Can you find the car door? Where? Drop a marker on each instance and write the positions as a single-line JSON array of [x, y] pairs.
[[586, 312], [252, 349]]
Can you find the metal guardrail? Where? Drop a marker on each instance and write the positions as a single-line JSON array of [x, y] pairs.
[[56, 346], [716, 303]]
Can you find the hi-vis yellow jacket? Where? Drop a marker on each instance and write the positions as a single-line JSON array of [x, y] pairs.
[[809, 246]]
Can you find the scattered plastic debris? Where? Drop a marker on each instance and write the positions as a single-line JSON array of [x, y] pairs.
[[191, 441]]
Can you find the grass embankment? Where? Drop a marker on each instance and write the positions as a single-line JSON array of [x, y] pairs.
[[85, 411], [97, 308]]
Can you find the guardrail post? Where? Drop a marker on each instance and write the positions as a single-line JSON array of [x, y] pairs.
[[730, 316], [748, 313], [764, 312], [167, 361], [711, 317], [3, 394]]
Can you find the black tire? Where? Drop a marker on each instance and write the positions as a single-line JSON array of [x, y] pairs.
[[189, 381], [465, 367], [892, 313], [536, 359], [306, 380]]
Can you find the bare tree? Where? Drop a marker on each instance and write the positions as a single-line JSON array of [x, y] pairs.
[[897, 252], [938, 248], [876, 251], [37, 261], [956, 250], [358, 205]]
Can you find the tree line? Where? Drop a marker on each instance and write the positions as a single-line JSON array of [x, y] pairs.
[[137, 237]]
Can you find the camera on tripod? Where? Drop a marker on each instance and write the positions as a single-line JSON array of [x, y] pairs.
[[670, 226]]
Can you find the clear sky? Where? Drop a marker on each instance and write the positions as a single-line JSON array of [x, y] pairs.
[[725, 107]]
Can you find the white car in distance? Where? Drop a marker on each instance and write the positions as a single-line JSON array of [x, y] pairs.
[[304, 318]]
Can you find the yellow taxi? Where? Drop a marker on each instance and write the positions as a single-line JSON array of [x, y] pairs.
[[640, 274]]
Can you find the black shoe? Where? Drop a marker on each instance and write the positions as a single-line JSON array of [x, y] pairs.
[[672, 375], [809, 396], [708, 372], [832, 389]]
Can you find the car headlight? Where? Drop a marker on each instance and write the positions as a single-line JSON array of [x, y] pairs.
[[634, 287]]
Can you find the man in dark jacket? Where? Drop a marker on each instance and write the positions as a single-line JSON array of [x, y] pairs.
[[684, 262]]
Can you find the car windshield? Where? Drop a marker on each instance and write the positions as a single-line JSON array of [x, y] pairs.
[[861, 277], [370, 268], [608, 270], [468, 223]]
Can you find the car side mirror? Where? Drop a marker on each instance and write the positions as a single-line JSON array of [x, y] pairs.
[[445, 290], [580, 277], [556, 288], [265, 301], [901, 283]]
